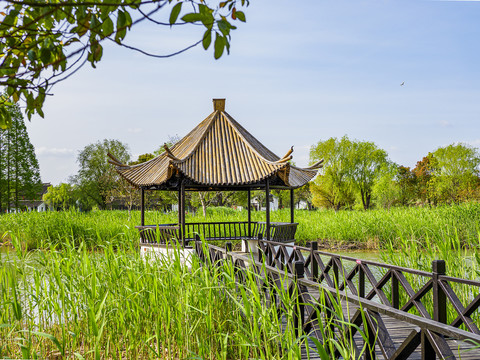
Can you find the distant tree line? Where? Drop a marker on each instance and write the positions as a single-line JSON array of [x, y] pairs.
[[358, 174]]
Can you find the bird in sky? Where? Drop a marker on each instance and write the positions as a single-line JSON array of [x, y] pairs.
[[403, 83]]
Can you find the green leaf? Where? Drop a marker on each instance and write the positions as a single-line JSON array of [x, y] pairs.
[[128, 20], [45, 55], [107, 27], [83, 26], [121, 32], [40, 112], [207, 39], [51, 338], [120, 20], [32, 55], [219, 46], [203, 9], [175, 12], [192, 17], [94, 23], [240, 16], [224, 27]]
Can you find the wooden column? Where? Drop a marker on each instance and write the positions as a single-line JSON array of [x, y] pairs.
[[142, 205], [292, 207], [179, 211], [182, 202], [439, 297], [267, 195], [249, 207]]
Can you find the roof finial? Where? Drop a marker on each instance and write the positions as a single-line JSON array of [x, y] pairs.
[[219, 104]]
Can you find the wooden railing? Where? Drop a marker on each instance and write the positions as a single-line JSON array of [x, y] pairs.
[[158, 234], [414, 301], [212, 231]]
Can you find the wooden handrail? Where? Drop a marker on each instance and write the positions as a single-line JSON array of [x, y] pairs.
[[426, 335], [392, 289], [213, 231]]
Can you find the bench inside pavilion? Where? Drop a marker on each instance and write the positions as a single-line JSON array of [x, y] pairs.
[[217, 155]]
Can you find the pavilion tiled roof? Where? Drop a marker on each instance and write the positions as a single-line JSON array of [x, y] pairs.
[[218, 152]]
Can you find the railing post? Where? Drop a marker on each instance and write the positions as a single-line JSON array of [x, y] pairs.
[[198, 247], [270, 255], [335, 271], [428, 353], [395, 291], [260, 252], [228, 248], [439, 298], [361, 280], [299, 307], [313, 261]]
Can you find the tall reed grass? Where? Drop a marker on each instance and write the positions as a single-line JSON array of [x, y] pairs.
[[364, 229], [71, 303]]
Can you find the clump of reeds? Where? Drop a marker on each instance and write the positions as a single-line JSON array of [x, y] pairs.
[[67, 302]]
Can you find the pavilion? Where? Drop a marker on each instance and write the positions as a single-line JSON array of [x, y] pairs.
[[218, 154]]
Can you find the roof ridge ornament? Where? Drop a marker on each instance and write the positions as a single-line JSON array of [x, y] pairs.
[[169, 153], [114, 161], [287, 157], [218, 104], [317, 165]]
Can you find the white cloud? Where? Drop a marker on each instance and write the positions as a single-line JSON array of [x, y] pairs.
[[445, 123], [44, 151], [135, 130]]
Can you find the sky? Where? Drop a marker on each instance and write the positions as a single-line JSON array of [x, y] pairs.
[[298, 72]]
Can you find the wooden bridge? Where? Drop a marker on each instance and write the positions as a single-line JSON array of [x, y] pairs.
[[405, 313]]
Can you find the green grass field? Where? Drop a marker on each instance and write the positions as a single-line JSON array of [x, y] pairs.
[[373, 229]]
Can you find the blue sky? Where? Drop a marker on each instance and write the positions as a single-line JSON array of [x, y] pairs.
[[298, 72]]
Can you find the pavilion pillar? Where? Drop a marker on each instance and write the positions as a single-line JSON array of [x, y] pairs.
[[142, 207], [182, 213], [179, 213], [267, 208], [292, 207], [249, 208]]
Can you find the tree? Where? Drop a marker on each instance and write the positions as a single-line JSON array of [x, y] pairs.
[[365, 162], [407, 182], [60, 196], [455, 170], [423, 175], [386, 190], [349, 166], [19, 170], [47, 41], [96, 178], [213, 198], [332, 188]]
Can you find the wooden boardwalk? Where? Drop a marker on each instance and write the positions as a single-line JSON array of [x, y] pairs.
[[386, 308], [399, 331]]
